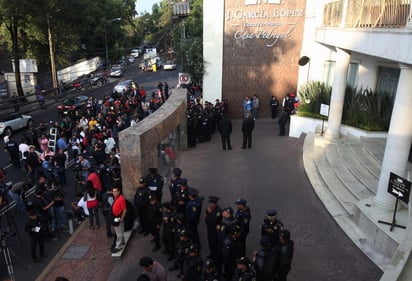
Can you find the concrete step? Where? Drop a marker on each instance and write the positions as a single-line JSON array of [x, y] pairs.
[[369, 162], [345, 175], [375, 147], [325, 195], [339, 190], [356, 167]]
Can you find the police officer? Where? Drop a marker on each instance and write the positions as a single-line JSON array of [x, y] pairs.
[[272, 227], [141, 202], [155, 183], [193, 212], [213, 218], [182, 248], [231, 251], [243, 217], [192, 264], [169, 230], [222, 231], [174, 185], [13, 149], [244, 270], [285, 255], [154, 220], [210, 272], [265, 260], [182, 197]]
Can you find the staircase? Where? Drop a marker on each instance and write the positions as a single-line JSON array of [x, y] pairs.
[[345, 173]]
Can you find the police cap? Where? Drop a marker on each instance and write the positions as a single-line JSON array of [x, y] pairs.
[[243, 260], [228, 209], [180, 217], [183, 182], [183, 232], [194, 248], [213, 199], [209, 263], [241, 201], [193, 191], [271, 214], [177, 172]]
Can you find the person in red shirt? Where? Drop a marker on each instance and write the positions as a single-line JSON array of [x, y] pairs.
[[95, 179], [119, 212]]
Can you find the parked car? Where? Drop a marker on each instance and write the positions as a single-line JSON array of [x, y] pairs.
[[116, 71], [135, 53], [72, 104], [123, 87], [170, 65], [131, 59], [13, 122]]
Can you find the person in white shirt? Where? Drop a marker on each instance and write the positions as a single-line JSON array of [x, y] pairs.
[[23, 147], [80, 207]]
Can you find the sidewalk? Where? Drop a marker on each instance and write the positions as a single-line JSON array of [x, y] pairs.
[[270, 175]]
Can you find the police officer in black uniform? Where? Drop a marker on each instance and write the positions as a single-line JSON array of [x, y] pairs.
[[192, 264], [244, 270], [210, 272], [243, 218], [285, 255], [265, 260], [174, 185], [182, 197], [272, 227], [193, 212], [154, 220], [155, 183], [13, 149], [231, 251], [169, 230], [222, 231], [213, 218], [182, 248], [141, 202]]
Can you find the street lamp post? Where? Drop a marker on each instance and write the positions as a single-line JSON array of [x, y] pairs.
[[105, 38]]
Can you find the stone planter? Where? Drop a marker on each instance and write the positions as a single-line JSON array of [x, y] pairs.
[[300, 124]]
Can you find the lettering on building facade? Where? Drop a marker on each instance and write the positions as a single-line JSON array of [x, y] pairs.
[[270, 25]]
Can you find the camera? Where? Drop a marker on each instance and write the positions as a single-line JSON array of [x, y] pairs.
[[77, 167]]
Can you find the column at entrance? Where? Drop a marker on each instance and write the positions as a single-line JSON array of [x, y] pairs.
[[338, 93], [399, 138]]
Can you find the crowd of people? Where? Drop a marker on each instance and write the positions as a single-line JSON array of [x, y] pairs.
[[173, 226]]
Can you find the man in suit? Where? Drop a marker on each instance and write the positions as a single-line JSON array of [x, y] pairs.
[[247, 127], [225, 130]]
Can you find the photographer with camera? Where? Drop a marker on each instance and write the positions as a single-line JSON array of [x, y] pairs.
[[35, 227]]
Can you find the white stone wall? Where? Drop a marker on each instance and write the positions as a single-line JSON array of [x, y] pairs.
[[213, 13]]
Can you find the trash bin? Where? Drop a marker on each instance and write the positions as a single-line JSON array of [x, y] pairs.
[[154, 67]]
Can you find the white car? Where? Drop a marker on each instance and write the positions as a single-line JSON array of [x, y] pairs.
[[13, 122], [131, 59], [116, 71], [135, 53], [169, 65]]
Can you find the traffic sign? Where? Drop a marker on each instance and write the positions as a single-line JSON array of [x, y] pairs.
[[399, 187]]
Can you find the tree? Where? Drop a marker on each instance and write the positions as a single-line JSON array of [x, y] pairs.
[[13, 15]]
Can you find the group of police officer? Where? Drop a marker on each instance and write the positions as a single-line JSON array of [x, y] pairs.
[[227, 230], [202, 120]]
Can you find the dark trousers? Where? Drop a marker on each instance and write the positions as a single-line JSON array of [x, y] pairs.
[[34, 241], [283, 119], [156, 233], [226, 141], [212, 239], [247, 140]]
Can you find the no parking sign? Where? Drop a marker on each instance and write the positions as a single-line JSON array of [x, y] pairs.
[[184, 78]]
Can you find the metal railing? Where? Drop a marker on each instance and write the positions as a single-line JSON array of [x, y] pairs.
[[367, 13]]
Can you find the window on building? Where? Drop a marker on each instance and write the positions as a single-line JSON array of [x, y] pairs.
[[388, 79], [352, 74], [328, 72]]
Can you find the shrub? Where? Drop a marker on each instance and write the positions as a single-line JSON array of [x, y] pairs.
[[365, 109]]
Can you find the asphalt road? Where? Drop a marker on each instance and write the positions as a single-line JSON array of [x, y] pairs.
[[19, 245]]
